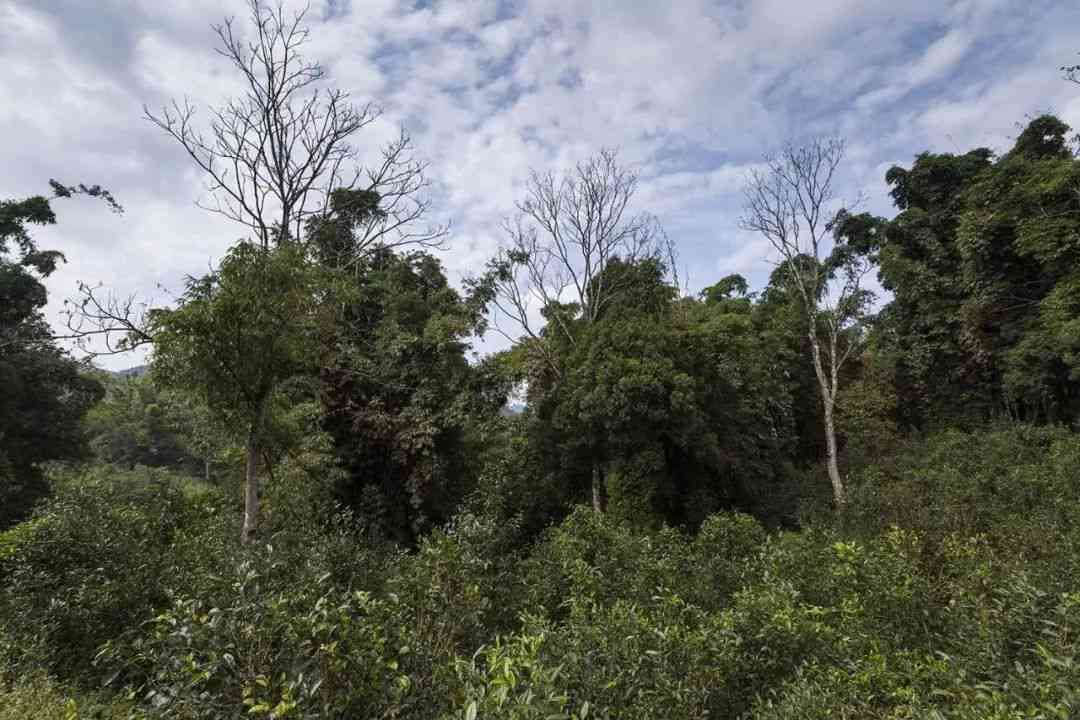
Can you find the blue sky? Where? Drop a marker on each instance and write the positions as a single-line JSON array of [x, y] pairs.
[[691, 91]]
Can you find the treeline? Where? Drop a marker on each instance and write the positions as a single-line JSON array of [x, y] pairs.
[[797, 501]]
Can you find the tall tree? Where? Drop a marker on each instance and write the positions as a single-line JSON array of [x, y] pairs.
[[274, 159], [552, 276], [980, 262], [236, 336], [45, 393], [791, 203], [399, 395]]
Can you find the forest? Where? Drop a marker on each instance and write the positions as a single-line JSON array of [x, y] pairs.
[[851, 493]]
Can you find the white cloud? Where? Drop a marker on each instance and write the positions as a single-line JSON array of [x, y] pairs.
[[691, 91]]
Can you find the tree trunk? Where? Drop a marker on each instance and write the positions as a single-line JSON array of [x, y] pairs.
[[251, 477], [206, 470], [597, 488], [839, 495], [828, 406]]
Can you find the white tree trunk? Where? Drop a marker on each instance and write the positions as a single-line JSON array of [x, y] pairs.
[[839, 494], [828, 406], [251, 477], [597, 488]]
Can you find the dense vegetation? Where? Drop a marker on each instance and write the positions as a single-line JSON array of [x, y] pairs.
[[771, 504]]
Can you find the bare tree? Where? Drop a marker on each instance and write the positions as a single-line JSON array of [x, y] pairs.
[[273, 155], [791, 203], [566, 233]]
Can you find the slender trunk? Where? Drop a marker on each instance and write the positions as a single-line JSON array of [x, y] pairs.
[[828, 405], [839, 495], [251, 477], [597, 488], [206, 470]]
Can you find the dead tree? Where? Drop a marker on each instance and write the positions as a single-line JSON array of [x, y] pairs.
[[273, 155], [791, 202], [567, 231]]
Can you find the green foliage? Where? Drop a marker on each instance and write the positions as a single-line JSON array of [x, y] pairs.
[[947, 590], [1018, 483], [136, 423], [508, 680], [627, 547], [677, 406], [39, 698], [240, 332], [980, 263], [44, 392], [89, 564], [399, 395], [309, 652]]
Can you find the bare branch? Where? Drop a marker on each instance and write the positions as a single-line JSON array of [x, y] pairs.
[[104, 324], [567, 232], [271, 156]]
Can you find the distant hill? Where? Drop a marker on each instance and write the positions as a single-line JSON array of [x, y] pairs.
[[132, 372]]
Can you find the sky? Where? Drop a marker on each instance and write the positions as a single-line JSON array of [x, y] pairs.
[[691, 92]]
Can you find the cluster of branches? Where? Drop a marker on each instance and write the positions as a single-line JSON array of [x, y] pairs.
[[273, 155], [566, 233]]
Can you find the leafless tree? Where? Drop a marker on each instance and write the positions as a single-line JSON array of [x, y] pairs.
[[273, 155], [567, 231], [791, 202]]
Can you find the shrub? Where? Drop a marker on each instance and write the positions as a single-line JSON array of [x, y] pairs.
[[312, 651], [89, 565], [36, 697], [508, 680], [592, 557]]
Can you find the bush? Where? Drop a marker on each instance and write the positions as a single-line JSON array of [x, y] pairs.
[[591, 557], [36, 697], [508, 680], [312, 651], [1018, 484], [91, 563]]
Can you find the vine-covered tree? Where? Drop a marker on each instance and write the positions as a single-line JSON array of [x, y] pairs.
[[980, 261]]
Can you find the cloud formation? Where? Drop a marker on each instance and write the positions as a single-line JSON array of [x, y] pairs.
[[692, 91]]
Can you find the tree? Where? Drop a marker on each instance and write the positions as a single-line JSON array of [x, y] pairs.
[[278, 160], [45, 393], [980, 263], [137, 424], [567, 233], [921, 329], [790, 202], [236, 336], [399, 394]]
